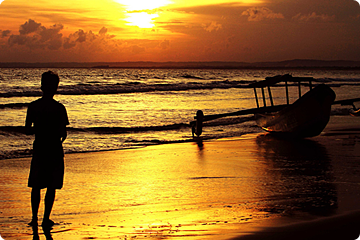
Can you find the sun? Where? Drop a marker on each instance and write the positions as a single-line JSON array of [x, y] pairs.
[[141, 19], [142, 13]]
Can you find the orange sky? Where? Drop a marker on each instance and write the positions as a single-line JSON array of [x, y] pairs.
[[178, 30]]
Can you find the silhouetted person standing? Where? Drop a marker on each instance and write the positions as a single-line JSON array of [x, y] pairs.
[[47, 119], [198, 124]]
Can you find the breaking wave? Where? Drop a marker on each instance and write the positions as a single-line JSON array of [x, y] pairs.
[[130, 87]]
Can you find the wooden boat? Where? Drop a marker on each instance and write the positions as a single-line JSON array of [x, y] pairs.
[[306, 117]]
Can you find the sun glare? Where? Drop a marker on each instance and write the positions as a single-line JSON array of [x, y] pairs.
[[141, 19], [142, 13], [136, 5]]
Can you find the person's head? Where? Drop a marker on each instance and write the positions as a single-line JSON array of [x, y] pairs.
[[49, 83], [199, 114]]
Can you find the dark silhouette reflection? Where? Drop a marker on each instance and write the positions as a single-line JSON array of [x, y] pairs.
[[200, 144], [35, 233], [46, 233], [201, 147], [302, 171]]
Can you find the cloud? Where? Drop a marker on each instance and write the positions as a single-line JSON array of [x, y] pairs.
[[35, 42], [213, 26], [36, 36], [256, 14], [4, 34], [313, 17], [88, 39], [29, 27], [103, 31], [74, 38]]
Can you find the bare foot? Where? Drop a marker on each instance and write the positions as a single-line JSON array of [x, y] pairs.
[[33, 223], [47, 223]]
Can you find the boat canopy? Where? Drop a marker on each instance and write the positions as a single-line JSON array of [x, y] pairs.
[[270, 81]]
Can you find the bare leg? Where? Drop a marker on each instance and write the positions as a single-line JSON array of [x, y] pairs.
[[35, 202], [49, 202]]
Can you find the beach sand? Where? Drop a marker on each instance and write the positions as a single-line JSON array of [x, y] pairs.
[[250, 187]]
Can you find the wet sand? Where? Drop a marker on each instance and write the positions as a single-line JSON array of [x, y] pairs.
[[343, 226], [251, 187]]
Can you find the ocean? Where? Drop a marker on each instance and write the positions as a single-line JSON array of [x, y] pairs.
[[113, 108]]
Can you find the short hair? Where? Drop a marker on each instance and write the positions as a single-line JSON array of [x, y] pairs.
[[50, 81]]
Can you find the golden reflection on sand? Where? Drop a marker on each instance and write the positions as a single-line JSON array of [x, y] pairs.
[[175, 190], [212, 190]]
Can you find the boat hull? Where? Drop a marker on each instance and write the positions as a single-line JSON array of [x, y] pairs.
[[306, 117]]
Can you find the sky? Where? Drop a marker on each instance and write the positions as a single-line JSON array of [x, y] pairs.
[[178, 30]]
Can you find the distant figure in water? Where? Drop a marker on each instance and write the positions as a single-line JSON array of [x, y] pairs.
[[197, 126], [47, 119]]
